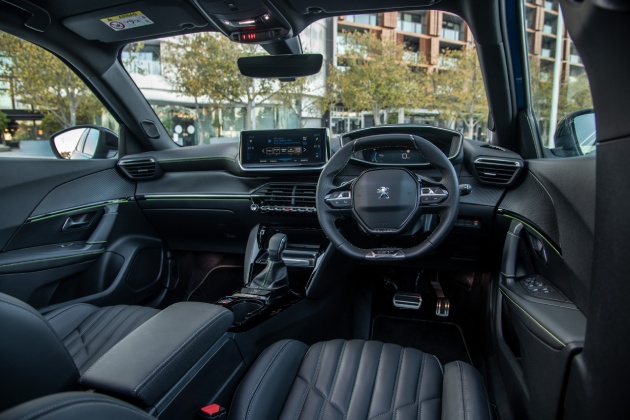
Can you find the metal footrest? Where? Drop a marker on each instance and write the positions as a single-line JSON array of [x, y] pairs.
[[407, 300]]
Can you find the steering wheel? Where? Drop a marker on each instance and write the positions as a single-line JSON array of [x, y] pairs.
[[387, 200]]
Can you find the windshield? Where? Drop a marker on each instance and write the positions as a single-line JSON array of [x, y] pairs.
[[413, 67]]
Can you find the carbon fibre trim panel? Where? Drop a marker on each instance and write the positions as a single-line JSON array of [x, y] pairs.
[[94, 188], [200, 182], [482, 195], [532, 201]]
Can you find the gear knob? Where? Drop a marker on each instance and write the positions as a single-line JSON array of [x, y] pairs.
[[277, 244]]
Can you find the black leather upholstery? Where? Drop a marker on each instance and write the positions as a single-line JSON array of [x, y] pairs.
[[88, 332], [147, 363], [41, 355], [357, 380], [75, 406]]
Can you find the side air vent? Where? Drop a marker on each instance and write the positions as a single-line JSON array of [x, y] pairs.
[[497, 171], [142, 168], [285, 198]]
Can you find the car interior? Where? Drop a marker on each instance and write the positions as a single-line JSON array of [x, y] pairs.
[[399, 271]]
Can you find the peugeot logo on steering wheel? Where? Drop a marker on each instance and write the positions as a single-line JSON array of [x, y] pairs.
[[383, 193]]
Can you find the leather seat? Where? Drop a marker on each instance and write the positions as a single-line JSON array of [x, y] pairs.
[[42, 354], [357, 379], [331, 380]]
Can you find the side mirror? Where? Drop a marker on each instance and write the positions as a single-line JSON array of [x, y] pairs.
[[576, 134], [84, 142]]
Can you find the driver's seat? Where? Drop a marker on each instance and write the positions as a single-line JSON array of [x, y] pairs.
[[331, 380]]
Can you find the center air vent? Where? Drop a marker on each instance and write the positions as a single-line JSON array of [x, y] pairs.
[[285, 198], [497, 171], [143, 168]]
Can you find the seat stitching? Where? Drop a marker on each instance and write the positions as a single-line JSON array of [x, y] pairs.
[[439, 363], [171, 357], [378, 366], [65, 310], [311, 383], [114, 331], [303, 397], [461, 380], [97, 316], [401, 355], [322, 410], [354, 382], [255, 390], [38, 317], [417, 393], [117, 328], [87, 341], [424, 356]]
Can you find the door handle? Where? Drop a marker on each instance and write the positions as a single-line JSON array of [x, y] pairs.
[[78, 221]]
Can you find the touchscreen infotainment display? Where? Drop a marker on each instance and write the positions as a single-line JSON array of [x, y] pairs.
[[299, 147]]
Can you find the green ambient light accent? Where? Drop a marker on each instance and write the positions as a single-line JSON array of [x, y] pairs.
[[532, 318], [54, 258], [195, 159], [62, 212], [535, 230]]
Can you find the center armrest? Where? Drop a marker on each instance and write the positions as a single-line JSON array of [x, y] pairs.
[[152, 358]]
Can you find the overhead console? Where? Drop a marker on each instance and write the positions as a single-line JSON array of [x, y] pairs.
[[246, 21], [284, 149]]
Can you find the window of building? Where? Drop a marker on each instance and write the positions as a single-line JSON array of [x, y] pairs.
[[412, 22], [558, 82]]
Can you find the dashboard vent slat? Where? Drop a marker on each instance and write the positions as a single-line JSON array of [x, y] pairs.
[[274, 196], [140, 169], [497, 171]]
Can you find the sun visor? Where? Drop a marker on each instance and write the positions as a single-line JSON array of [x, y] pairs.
[[141, 19], [350, 6]]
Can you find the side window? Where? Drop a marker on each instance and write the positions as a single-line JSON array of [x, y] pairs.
[[560, 92], [41, 96]]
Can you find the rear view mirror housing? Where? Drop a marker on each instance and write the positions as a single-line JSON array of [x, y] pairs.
[[283, 67]]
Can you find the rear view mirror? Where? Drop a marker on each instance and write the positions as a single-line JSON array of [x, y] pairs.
[[84, 142], [576, 134], [287, 66]]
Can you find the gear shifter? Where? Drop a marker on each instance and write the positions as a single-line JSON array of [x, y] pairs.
[[274, 275]]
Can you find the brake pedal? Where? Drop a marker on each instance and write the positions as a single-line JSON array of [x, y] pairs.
[[405, 300], [443, 305]]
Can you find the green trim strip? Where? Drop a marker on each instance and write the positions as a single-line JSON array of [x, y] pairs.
[[532, 318], [68, 211], [535, 230], [195, 159], [185, 198], [53, 259]]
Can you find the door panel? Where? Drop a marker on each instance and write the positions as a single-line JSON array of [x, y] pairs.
[[73, 232], [544, 280]]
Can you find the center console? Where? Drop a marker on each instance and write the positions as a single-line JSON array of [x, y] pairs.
[[280, 265]]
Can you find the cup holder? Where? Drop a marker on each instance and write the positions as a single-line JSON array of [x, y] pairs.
[[243, 309]]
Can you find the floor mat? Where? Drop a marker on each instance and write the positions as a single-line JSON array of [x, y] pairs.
[[443, 340], [221, 281]]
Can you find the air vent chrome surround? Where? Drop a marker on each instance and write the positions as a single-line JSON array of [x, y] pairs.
[[285, 198], [497, 171], [140, 168]]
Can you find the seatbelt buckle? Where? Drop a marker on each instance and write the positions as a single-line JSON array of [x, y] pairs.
[[212, 412]]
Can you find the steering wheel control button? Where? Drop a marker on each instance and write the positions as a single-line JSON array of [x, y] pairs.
[[340, 199], [433, 195], [385, 200]]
